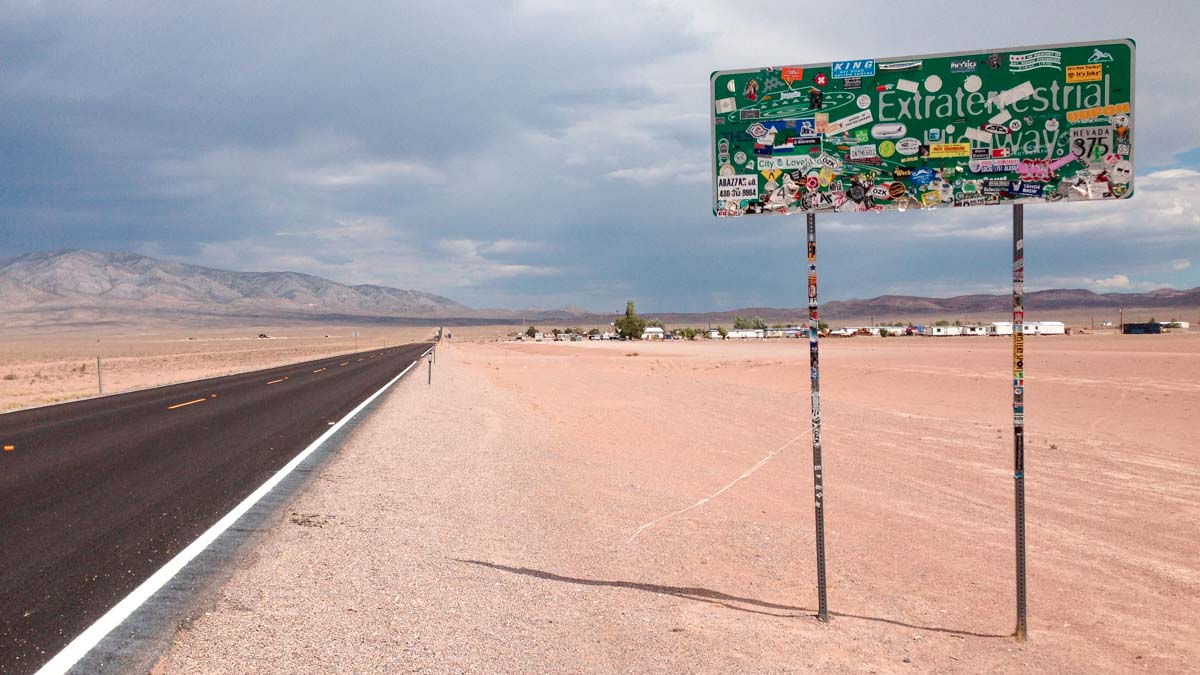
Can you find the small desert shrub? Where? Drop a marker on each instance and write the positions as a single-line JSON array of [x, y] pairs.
[[10, 376]]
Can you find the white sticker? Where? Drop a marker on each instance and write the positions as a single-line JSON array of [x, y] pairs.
[[1018, 93], [908, 85], [1051, 124], [888, 130], [847, 123], [973, 83], [1123, 172], [933, 84], [908, 146], [1001, 117], [978, 135], [786, 163], [740, 186], [864, 101], [726, 105], [862, 152]]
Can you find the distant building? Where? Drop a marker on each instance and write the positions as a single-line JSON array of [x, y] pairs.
[[1030, 328], [1045, 328], [1142, 328], [938, 331], [714, 334], [744, 334], [653, 333]]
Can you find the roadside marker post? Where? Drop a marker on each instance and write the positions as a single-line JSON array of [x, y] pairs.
[[430, 359], [99, 375], [846, 137]]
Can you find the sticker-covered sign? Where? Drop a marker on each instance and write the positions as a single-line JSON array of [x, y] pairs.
[[1042, 123]]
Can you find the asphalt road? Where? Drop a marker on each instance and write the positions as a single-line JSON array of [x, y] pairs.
[[96, 495]]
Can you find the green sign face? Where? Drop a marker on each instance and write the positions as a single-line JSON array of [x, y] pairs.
[[1032, 124]]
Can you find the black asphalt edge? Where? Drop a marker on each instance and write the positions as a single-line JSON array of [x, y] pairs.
[[140, 641]]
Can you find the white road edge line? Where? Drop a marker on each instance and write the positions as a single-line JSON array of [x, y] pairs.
[[88, 639]]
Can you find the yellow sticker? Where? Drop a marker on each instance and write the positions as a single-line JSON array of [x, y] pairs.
[[937, 150], [1090, 72], [887, 149]]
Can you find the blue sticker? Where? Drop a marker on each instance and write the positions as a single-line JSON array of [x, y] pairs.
[[922, 176], [1024, 189], [860, 68]]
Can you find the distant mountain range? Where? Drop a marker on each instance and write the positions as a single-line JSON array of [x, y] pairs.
[[83, 286], [96, 279]]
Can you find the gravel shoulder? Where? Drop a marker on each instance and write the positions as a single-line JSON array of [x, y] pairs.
[[483, 523]]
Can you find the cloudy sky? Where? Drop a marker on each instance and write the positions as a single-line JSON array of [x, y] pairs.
[[533, 153]]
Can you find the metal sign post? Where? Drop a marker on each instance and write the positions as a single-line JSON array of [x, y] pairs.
[[818, 484], [1022, 631]]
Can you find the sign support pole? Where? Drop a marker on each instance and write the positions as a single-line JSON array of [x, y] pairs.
[[1022, 631], [818, 487]]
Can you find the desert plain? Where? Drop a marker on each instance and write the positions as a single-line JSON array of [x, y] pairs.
[[492, 521]]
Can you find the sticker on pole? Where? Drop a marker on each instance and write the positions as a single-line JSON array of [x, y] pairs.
[[1054, 121]]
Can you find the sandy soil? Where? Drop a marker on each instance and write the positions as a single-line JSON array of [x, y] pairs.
[[483, 523], [52, 365]]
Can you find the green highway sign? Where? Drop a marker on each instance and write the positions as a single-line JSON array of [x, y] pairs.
[[1032, 124]]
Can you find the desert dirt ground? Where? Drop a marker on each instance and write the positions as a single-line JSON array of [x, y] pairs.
[[484, 523], [51, 365]]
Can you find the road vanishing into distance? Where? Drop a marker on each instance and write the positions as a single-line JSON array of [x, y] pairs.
[[96, 495]]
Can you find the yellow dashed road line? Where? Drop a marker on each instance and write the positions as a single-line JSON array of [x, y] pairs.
[[277, 381], [180, 405]]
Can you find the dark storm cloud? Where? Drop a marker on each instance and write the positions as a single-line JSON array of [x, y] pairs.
[[512, 154]]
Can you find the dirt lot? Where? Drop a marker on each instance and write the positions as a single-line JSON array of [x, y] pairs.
[[51, 365], [484, 523]]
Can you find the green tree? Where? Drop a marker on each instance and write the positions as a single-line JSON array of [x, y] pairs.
[[758, 323], [722, 332], [941, 322], [883, 332], [656, 322], [594, 331], [821, 325], [631, 326], [740, 323], [557, 332], [531, 331]]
